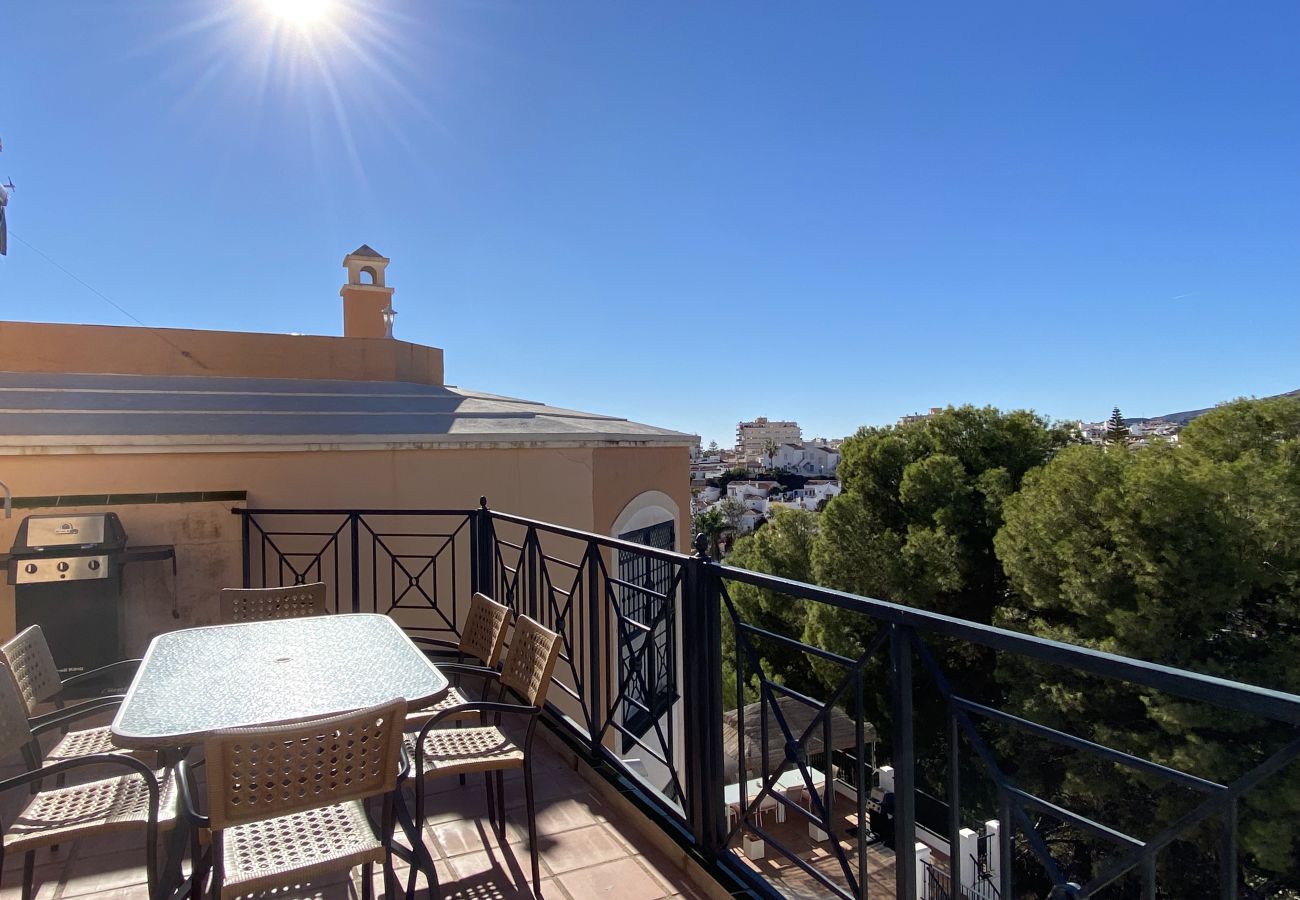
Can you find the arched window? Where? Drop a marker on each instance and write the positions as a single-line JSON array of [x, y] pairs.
[[370, 271]]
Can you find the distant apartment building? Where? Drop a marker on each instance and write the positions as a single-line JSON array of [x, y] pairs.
[[920, 417], [752, 438]]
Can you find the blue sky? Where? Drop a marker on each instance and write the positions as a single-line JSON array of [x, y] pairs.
[[693, 213]]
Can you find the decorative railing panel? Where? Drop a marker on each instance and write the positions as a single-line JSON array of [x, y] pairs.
[[570, 581], [414, 565]]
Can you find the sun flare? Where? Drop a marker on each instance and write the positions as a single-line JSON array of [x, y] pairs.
[[302, 14]]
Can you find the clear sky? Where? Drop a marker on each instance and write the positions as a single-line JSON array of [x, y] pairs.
[[688, 213]]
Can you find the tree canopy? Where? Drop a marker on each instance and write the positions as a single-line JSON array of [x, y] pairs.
[[783, 547], [920, 505], [1185, 555]]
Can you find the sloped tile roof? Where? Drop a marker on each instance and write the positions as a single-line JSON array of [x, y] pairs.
[[88, 411]]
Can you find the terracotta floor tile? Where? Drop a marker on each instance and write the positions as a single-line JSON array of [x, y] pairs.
[[579, 837], [512, 864], [46, 879], [622, 878], [491, 887], [556, 816], [458, 803], [457, 836], [333, 890], [581, 847], [44, 856], [102, 873]]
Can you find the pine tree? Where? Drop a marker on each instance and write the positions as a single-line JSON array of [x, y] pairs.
[[1116, 430]]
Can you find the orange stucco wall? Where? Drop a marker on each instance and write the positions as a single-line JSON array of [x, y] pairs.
[[620, 474], [43, 347]]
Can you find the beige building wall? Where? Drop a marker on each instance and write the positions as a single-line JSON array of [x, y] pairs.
[[581, 487]]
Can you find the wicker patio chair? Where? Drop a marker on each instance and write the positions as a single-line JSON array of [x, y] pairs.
[[28, 656], [287, 802], [140, 799], [295, 601], [482, 640], [526, 673]]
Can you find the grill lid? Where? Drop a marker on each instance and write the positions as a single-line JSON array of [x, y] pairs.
[[52, 532]]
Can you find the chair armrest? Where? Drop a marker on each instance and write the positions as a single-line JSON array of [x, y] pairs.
[[100, 672], [481, 706], [98, 759], [188, 809], [61, 717], [438, 643], [405, 771], [467, 669]]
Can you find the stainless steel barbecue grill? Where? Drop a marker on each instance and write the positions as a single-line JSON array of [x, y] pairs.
[[67, 577]]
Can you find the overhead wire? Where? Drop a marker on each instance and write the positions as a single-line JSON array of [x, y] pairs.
[[110, 301]]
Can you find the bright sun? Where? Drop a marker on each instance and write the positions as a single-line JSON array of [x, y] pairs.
[[301, 13]]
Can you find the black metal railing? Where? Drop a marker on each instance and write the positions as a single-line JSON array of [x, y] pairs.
[[420, 566]]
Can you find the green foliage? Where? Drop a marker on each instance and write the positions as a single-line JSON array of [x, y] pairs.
[[921, 504], [712, 524], [732, 510], [784, 548], [735, 473], [1188, 556]]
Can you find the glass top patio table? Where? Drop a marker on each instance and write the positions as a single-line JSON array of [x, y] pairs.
[[197, 680]]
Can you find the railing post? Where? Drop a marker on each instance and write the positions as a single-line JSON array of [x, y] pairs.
[[702, 701], [354, 530], [1006, 835], [246, 534], [531, 569], [484, 550], [1228, 852], [595, 643], [900, 686], [955, 830]]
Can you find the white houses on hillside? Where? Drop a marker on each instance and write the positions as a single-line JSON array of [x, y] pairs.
[[804, 459]]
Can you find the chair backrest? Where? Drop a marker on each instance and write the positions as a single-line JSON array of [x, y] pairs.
[[484, 635], [28, 655], [15, 730], [268, 771], [294, 601], [530, 661]]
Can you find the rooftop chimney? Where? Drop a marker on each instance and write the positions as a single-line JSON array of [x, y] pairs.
[[367, 303]]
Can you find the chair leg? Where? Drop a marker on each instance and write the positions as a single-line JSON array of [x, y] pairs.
[[151, 861], [29, 873], [218, 874], [198, 864], [501, 805], [368, 881], [491, 800], [532, 824], [391, 886]]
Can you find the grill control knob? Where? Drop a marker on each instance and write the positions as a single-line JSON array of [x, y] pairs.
[[62, 567], [30, 568], [93, 565]]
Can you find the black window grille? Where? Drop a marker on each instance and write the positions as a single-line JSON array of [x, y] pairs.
[[646, 669]]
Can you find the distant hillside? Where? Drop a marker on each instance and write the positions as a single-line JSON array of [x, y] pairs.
[[1182, 418]]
